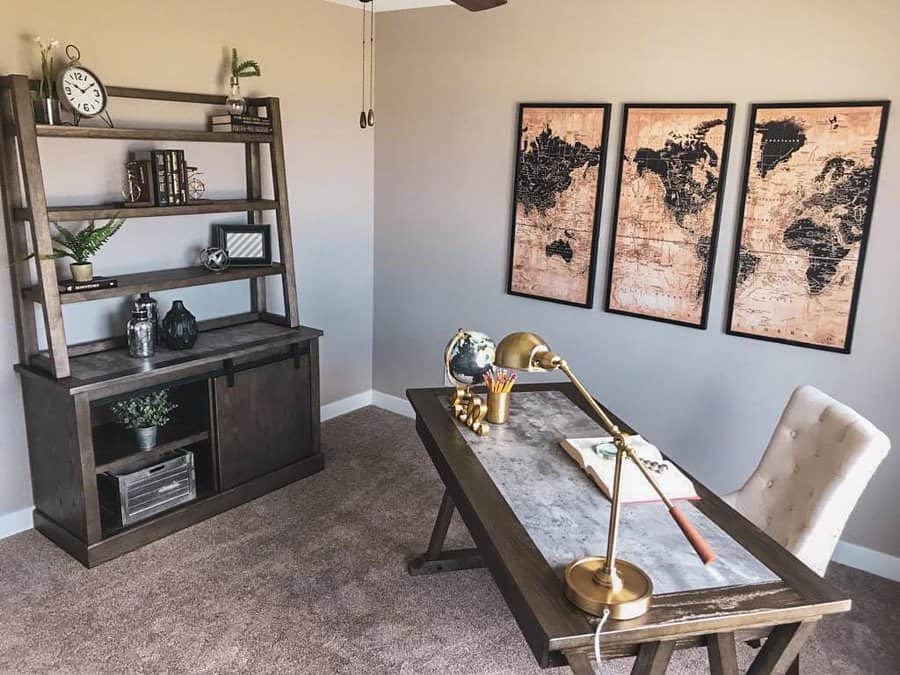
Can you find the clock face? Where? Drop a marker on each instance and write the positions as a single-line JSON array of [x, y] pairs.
[[82, 91]]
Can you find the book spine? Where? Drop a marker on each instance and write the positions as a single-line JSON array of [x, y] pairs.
[[239, 119], [159, 178], [89, 286], [242, 128], [170, 179], [183, 175]]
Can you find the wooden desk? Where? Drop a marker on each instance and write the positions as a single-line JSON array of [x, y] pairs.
[[781, 603]]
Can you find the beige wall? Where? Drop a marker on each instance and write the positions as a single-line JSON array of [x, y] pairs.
[[449, 82], [307, 50]]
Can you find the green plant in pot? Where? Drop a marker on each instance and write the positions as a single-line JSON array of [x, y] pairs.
[[145, 414], [83, 245]]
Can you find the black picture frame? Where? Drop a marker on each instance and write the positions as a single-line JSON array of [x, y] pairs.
[[220, 237], [717, 214], [857, 282], [598, 202]]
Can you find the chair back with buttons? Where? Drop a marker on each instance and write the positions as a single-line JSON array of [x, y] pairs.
[[816, 466]]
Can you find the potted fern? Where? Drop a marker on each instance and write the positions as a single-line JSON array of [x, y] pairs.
[[83, 245], [235, 103], [145, 414]]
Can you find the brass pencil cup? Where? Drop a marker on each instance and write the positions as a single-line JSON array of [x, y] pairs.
[[498, 407]]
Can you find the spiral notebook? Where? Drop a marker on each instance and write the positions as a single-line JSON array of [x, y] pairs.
[[597, 457]]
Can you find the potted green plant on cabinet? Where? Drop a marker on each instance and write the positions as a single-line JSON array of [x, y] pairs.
[[145, 414], [83, 245]]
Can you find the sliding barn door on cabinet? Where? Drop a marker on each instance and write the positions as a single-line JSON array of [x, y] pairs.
[[263, 417]]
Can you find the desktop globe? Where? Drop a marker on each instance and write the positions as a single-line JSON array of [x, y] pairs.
[[468, 355]]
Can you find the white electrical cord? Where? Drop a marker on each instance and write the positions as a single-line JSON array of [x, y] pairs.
[[600, 624]]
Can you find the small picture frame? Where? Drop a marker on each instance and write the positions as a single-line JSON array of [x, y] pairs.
[[246, 245]]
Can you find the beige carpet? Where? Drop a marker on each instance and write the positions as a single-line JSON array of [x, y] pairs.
[[311, 579]]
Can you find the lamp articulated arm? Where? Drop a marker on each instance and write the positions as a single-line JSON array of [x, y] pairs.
[[620, 440]]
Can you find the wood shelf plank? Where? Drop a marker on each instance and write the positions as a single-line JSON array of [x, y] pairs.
[[101, 211], [160, 280], [60, 131], [115, 447]]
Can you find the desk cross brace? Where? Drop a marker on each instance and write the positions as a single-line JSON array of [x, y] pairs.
[[436, 560]]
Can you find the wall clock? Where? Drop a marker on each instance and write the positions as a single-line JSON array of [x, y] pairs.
[[80, 90]]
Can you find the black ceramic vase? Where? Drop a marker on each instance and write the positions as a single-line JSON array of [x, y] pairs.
[[179, 328]]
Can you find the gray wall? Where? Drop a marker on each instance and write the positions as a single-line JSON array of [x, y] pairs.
[[448, 84], [308, 57]]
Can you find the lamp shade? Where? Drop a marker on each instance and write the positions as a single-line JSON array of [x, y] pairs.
[[525, 351]]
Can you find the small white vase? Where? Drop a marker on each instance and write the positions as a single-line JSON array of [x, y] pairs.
[[82, 272]]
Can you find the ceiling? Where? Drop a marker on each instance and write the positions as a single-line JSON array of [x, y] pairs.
[[394, 5]]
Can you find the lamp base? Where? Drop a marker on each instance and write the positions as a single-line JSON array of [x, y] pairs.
[[628, 602]]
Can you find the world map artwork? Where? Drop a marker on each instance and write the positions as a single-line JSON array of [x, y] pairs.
[[671, 177], [807, 207], [559, 165]]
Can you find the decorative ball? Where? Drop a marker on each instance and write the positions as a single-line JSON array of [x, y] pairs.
[[215, 259], [468, 355]]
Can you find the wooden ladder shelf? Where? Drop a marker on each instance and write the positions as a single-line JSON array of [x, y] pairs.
[[26, 214]]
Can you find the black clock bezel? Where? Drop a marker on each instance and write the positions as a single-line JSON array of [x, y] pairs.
[[65, 101]]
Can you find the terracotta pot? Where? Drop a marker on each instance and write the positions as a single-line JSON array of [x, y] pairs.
[[82, 272]]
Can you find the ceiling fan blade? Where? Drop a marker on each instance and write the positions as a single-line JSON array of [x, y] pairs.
[[478, 5]]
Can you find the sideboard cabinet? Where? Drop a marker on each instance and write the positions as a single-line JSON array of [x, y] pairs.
[[248, 410]]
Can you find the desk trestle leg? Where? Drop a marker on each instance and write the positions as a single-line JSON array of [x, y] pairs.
[[436, 559]]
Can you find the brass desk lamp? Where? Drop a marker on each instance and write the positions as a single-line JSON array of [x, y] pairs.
[[598, 583]]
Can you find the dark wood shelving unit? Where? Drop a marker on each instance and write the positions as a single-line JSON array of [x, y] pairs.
[[249, 386], [115, 447], [160, 280], [184, 135], [66, 213]]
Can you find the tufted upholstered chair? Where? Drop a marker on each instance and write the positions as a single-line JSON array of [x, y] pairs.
[[816, 466]]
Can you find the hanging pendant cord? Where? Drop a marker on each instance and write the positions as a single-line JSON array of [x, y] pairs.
[[362, 104], [372, 57]]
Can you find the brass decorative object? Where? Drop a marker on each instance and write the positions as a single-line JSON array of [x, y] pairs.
[[498, 407], [470, 409], [597, 583]]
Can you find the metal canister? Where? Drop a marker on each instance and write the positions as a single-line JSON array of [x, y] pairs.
[[145, 303], [140, 335]]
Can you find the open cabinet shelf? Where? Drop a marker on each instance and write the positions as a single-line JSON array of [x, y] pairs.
[[115, 447]]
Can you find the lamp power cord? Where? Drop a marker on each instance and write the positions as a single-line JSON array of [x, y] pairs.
[[600, 625]]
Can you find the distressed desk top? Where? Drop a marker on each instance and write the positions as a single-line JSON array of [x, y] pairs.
[[567, 516]]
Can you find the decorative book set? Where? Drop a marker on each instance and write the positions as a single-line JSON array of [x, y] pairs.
[[245, 124], [157, 178]]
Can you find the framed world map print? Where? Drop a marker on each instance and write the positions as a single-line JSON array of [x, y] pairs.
[[671, 175], [809, 187], [560, 160]]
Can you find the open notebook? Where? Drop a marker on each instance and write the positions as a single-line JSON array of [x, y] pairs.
[[597, 457]]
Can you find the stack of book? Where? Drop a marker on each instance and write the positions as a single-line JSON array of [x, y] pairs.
[[245, 124], [165, 176]]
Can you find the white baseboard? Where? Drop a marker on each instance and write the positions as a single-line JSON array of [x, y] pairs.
[[15, 522], [346, 405], [867, 560], [393, 403]]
